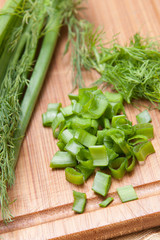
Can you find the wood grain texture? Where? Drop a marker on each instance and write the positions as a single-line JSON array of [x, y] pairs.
[[44, 199]]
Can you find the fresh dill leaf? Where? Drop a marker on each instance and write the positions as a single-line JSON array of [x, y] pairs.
[[82, 38], [133, 70]]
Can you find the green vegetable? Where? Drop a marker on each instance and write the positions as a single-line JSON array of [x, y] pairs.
[[79, 202], [85, 170], [143, 117], [99, 155], [130, 163], [101, 184], [73, 176], [85, 138], [145, 129], [142, 150], [73, 147], [62, 160], [48, 117], [23, 24], [117, 167], [132, 70], [127, 193], [106, 202], [91, 140]]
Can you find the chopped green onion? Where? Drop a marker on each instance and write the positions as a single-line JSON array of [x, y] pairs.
[[113, 109], [145, 129], [62, 160], [73, 97], [61, 145], [59, 119], [48, 117], [94, 126], [142, 150], [143, 117], [83, 155], [73, 147], [130, 163], [137, 139], [76, 107], [67, 111], [100, 136], [87, 172], [101, 184], [79, 202], [127, 193], [126, 148], [99, 155], [106, 202], [81, 123], [73, 176], [87, 164], [66, 135], [96, 105], [85, 138], [54, 106], [117, 135], [107, 124], [110, 153], [113, 97], [117, 167]]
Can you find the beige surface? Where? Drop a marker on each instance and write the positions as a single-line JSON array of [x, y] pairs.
[[44, 198]]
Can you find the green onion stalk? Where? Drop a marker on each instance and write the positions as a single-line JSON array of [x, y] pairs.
[[24, 26]]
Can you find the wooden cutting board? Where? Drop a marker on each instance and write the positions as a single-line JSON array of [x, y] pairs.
[[43, 209]]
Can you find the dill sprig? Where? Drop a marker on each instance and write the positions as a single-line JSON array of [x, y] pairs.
[[20, 82], [82, 38], [133, 70], [23, 45]]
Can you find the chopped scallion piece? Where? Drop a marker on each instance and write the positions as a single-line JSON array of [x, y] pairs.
[[113, 97], [127, 193], [66, 135], [143, 117], [48, 117], [76, 107], [106, 202], [73, 97], [54, 106], [130, 163], [61, 145], [82, 123], [79, 202], [85, 138], [59, 119], [101, 184], [145, 129], [67, 111], [117, 167], [62, 160], [107, 124], [73, 176], [73, 147], [99, 155], [87, 172], [142, 150]]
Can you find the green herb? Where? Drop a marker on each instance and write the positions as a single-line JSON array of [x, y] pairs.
[[106, 202], [102, 183], [133, 70], [73, 176], [79, 202], [23, 24], [143, 117], [127, 193], [113, 149]]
